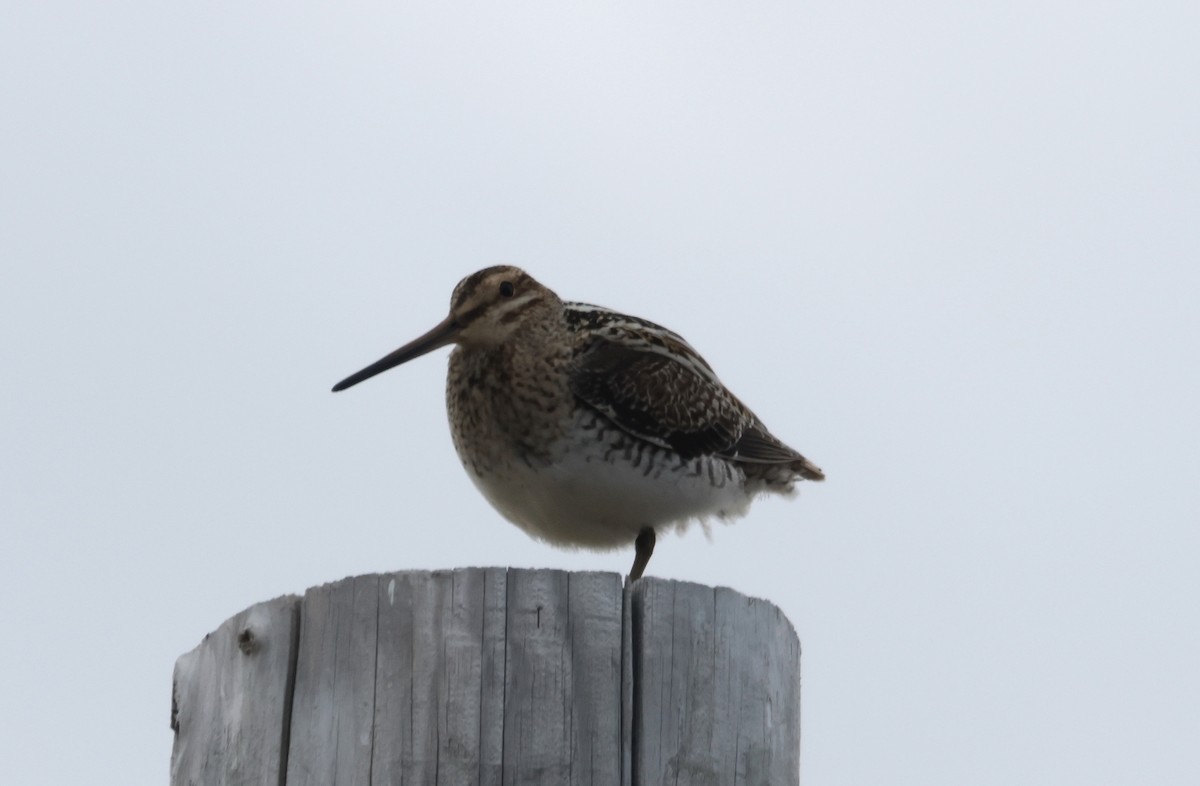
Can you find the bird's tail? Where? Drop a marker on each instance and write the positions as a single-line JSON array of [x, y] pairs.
[[807, 469]]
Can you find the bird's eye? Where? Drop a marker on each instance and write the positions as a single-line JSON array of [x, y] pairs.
[[506, 289]]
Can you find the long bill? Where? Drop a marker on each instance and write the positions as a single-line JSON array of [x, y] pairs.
[[441, 335]]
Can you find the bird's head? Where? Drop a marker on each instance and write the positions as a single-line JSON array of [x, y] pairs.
[[486, 309]]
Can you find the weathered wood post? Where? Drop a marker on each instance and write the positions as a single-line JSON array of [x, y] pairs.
[[493, 676]]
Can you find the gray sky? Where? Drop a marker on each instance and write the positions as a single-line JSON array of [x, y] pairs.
[[948, 251]]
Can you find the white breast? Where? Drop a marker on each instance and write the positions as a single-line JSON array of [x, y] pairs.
[[594, 494]]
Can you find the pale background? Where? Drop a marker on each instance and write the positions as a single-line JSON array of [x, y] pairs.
[[949, 251]]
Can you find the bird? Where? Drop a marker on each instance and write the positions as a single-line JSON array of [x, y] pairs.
[[589, 428]]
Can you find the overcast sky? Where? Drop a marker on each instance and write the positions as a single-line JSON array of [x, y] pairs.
[[948, 251]]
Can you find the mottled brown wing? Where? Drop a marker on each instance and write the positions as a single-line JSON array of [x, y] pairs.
[[650, 395]]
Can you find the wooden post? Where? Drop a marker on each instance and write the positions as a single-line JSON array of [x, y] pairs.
[[496, 677]]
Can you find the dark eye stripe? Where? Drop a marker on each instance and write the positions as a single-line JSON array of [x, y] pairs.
[[469, 317], [470, 285]]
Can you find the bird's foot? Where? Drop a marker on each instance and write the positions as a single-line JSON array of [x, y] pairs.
[[644, 547]]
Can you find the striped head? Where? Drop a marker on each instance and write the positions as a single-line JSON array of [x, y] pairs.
[[489, 306], [486, 308]]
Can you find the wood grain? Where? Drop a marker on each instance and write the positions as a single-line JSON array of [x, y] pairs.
[[495, 677]]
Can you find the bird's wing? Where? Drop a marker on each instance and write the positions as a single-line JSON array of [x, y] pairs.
[[653, 385], [655, 398]]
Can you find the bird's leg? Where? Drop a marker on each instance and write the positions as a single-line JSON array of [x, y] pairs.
[[644, 547]]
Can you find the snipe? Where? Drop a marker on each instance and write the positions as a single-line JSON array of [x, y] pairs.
[[589, 428]]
